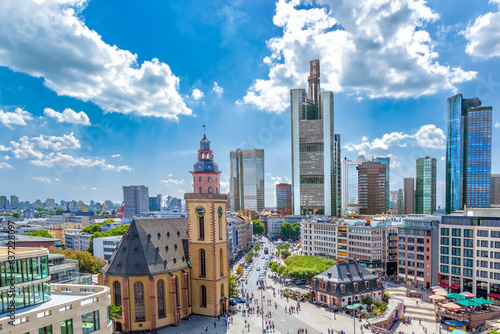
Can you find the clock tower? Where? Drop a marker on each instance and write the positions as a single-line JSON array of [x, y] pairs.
[[207, 242]]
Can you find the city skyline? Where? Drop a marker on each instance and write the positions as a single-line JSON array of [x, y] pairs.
[[68, 130]]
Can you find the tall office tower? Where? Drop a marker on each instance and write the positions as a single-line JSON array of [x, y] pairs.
[[400, 202], [159, 201], [314, 165], [468, 154], [14, 200], [495, 190], [372, 188], [3, 202], [409, 195], [135, 201], [385, 161], [247, 180], [425, 194], [350, 183], [337, 177], [284, 198]]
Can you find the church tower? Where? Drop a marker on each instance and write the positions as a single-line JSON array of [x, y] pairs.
[[207, 242]]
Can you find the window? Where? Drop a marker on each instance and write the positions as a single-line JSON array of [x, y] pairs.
[[455, 242], [468, 252], [199, 179], [90, 322], [468, 263], [455, 251], [445, 241], [209, 179], [445, 231], [117, 297], [221, 229], [468, 233], [160, 287], [495, 234], [445, 259], [455, 261], [444, 269], [203, 269], [209, 190], [67, 326], [221, 256], [201, 190], [140, 310], [468, 243], [455, 270], [468, 272], [484, 243], [203, 296], [445, 250], [201, 227], [482, 233], [46, 330]]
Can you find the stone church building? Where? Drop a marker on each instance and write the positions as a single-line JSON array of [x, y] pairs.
[[166, 269]]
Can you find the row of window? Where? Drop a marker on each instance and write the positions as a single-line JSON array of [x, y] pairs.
[[24, 270], [90, 323]]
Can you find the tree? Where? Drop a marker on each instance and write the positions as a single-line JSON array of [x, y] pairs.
[[233, 286], [114, 311], [258, 227], [109, 221], [290, 231], [16, 215], [40, 208], [119, 230], [239, 270], [92, 228], [366, 300], [285, 253], [87, 263], [7, 215], [41, 233], [249, 256], [305, 266], [256, 247]]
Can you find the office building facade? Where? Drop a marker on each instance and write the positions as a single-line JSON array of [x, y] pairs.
[[315, 166], [468, 154], [350, 183], [372, 188], [409, 195], [495, 190], [247, 180], [418, 241], [469, 255], [385, 161], [425, 193], [135, 201], [14, 200], [284, 198]]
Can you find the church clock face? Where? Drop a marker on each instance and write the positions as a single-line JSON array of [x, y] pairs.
[[200, 211], [219, 211]]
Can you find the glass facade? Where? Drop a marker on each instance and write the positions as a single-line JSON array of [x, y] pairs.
[[90, 322], [468, 154], [247, 180], [425, 194], [24, 271]]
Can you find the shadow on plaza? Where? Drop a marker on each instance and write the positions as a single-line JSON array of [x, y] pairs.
[[196, 325]]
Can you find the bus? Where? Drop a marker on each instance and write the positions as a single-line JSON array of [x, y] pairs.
[[266, 250]]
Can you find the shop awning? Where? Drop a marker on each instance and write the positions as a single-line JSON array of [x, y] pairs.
[[443, 284], [458, 331], [455, 286], [455, 296], [452, 306], [468, 294], [437, 297], [455, 323], [482, 301], [494, 295]]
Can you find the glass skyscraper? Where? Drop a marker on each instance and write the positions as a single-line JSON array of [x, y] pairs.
[[247, 180], [425, 194], [315, 150], [385, 161], [350, 183], [468, 154]]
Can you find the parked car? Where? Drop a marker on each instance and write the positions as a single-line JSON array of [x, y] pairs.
[[233, 301], [258, 269], [241, 299]]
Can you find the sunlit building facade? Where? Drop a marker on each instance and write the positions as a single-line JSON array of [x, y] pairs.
[[247, 180], [425, 194]]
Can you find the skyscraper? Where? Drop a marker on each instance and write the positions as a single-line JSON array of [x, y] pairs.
[[135, 201], [425, 194], [14, 200], [495, 190], [284, 198], [350, 183], [468, 154], [247, 180], [400, 202], [3, 202], [315, 166], [372, 188], [409, 195], [385, 161]]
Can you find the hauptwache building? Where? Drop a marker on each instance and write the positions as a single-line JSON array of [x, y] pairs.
[[166, 269]]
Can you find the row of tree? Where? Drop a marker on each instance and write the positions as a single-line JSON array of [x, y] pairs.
[[290, 231], [302, 266]]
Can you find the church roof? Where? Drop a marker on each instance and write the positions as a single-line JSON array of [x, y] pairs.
[[151, 247]]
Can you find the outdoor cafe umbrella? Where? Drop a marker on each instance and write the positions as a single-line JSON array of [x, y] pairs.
[[435, 287], [455, 296], [452, 306], [468, 294], [482, 301], [466, 303], [441, 292], [437, 297], [458, 331]]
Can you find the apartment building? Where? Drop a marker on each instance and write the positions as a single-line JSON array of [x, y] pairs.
[[105, 246], [469, 254], [418, 241]]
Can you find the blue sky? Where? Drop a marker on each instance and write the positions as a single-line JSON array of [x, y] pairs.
[[94, 96]]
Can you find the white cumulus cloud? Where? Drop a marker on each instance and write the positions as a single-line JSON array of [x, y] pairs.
[[16, 117], [68, 116], [49, 39], [43, 179], [217, 89], [428, 136], [483, 36], [5, 165], [172, 181], [50, 151], [197, 94], [497, 124], [115, 156], [379, 48]]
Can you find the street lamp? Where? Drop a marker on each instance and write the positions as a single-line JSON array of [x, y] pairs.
[[354, 307]]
